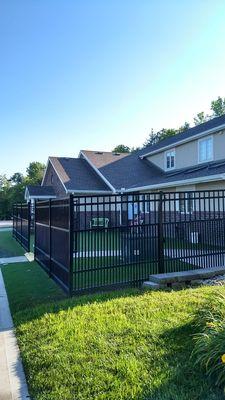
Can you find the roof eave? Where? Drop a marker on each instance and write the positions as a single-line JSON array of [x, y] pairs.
[[190, 181]]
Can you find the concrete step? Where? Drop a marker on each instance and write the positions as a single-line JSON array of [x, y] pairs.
[[186, 276], [152, 285]]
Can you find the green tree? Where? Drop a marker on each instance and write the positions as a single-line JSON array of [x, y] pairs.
[[201, 117], [35, 172], [156, 137], [12, 190], [218, 106], [17, 178], [121, 148]]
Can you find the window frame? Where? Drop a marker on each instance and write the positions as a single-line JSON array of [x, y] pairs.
[[165, 159], [199, 144]]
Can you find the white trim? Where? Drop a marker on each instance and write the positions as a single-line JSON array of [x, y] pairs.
[[45, 173], [179, 183], [189, 139], [202, 140], [90, 191], [98, 172], [165, 159], [43, 197]]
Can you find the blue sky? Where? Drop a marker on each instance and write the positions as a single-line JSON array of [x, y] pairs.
[[79, 74]]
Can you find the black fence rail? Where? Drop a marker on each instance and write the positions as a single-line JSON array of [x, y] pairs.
[[21, 224], [95, 242], [52, 243]]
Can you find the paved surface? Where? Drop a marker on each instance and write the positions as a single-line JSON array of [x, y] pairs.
[[183, 276], [199, 257], [12, 260], [6, 224], [13, 384]]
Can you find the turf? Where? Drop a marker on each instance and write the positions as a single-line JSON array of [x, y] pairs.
[[9, 247], [121, 345]]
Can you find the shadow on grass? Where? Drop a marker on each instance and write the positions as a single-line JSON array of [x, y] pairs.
[[185, 380]]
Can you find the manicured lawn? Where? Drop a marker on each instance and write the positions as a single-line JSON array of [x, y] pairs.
[[9, 247], [122, 345], [102, 271], [28, 286]]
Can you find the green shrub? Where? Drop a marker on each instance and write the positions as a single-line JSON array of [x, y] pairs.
[[209, 348]]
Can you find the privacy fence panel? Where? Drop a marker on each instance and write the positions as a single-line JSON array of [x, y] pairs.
[[53, 249], [21, 224]]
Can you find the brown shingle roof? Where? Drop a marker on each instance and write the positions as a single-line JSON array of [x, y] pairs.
[[101, 158]]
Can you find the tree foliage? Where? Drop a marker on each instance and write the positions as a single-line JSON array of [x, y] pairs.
[[217, 107], [121, 148], [12, 189]]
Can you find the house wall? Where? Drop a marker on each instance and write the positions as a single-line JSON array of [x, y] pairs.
[[187, 154], [52, 179]]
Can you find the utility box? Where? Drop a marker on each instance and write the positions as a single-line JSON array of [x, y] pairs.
[[138, 247]]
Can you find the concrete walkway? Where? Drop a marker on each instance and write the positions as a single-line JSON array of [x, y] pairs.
[[12, 260], [13, 384], [6, 224], [199, 257]]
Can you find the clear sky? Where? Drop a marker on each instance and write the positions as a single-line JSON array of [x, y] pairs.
[[91, 74]]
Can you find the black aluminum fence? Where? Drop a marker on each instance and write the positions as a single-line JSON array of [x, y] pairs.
[[53, 239], [93, 242], [21, 224]]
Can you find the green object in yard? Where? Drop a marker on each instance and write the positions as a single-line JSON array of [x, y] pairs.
[[99, 223]]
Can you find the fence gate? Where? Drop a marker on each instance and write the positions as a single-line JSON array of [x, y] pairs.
[[52, 248], [21, 224]]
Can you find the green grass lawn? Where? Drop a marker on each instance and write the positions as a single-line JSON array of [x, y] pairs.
[[9, 247], [124, 345]]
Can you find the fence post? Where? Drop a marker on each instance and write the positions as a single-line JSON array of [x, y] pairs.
[[160, 234], [50, 236], [28, 224], [71, 240], [35, 213], [21, 223]]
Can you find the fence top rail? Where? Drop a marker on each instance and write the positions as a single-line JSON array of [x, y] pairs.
[[133, 194]]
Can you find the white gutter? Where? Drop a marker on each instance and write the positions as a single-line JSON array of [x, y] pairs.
[[179, 183], [169, 146], [42, 197], [89, 191], [98, 172]]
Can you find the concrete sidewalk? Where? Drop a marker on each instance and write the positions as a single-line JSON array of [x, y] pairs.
[[13, 384], [12, 260], [6, 224]]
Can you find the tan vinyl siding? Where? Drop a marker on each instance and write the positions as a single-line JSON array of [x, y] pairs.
[[187, 154]]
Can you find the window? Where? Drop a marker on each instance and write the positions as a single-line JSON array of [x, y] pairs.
[[170, 159], [205, 149], [51, 178], [186, 204]]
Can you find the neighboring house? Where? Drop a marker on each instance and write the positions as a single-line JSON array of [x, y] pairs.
[[191, 160]]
